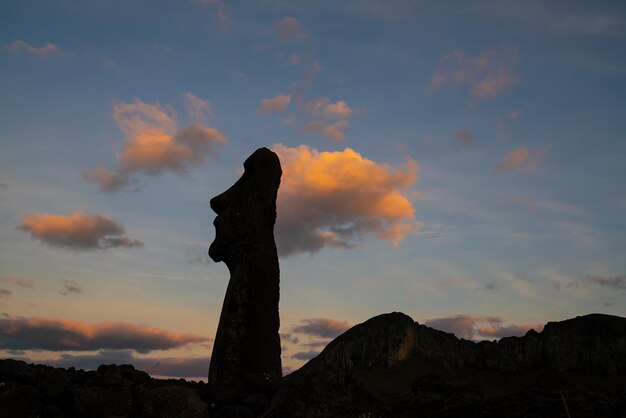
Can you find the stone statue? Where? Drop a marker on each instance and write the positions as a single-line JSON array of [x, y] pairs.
[[246, 351]]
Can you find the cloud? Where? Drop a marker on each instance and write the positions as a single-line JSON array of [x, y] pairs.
[[322, 106], [66, 335], [18, 281], [71, 287], [465, 137], [21, 46], [289, 337], [321, 327], [334, 199], [278, 103], [199, 110], [468, 327], [521, 158], [305, 355], [614, 282], [5, 293], [289, 29], [486, 75], [155, 145], [333, 131], [159, 366], [223, 14], [80, 231]]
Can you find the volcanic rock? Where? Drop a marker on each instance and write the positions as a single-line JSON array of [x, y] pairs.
[[391, 366]]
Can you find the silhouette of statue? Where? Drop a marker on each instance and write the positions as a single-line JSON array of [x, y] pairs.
[[246, 351]]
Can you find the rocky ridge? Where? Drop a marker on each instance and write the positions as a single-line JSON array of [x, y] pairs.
[[388, 366]]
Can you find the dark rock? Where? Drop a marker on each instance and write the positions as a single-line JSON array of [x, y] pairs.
[[53, 383], [102, 402], [20, 402], [391, 366], [593, 342], [247, 340], [234, 411], [109, 375], [170, 401], [17, 371], [257, 402]]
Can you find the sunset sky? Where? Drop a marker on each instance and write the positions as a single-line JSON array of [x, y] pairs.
[[463, 162]]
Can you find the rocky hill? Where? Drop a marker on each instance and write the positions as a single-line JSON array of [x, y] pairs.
[[388, 366]]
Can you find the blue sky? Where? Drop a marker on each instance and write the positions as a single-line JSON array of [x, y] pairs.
[[462, 162]]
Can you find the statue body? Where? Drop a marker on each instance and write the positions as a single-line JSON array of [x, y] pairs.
[[246, 350]]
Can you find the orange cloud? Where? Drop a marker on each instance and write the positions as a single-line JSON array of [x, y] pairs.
[[154, 144], [289, 30], [22, 46], [278, 103], [487, 75], [335, 198], [521, 158], [67, 335], [334, 131], [81, 231], [324, 107]]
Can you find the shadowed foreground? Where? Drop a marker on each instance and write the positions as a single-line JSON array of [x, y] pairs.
[[388, 366]]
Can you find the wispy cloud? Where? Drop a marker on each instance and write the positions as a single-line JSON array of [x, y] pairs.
[[154, 144], [277, 103], [70, 287], [80, 231], [18, 281], [614, 282], [22, 46], [465, 137], [5, 293], [321, 327], [288, 29], [487, 75], [521, 158], [333, 199], [199, 110], [66, 335]]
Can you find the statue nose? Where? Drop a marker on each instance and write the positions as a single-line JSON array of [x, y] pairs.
[[218, 203]]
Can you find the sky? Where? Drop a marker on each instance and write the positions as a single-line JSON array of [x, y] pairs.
[[463, 162]]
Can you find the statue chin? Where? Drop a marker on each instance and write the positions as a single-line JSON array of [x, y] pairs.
[[216, 252]]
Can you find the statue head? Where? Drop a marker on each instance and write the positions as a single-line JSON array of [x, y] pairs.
[[246, 212]]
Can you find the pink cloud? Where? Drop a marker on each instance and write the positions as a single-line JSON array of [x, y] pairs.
[[154, 144], [289, 29], [79, 230], [39, 333], [487, 75], [470, 328], [334, 131], [521, 158], [44, 51], [278, 103]]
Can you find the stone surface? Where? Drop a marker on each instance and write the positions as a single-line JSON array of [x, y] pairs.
[[170, 401], [391, 366], [247, 340], [22, 401]]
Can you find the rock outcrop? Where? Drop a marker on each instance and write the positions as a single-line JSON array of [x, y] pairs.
[[388, 366], [393, 366], [33, 391], [246, 352]]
